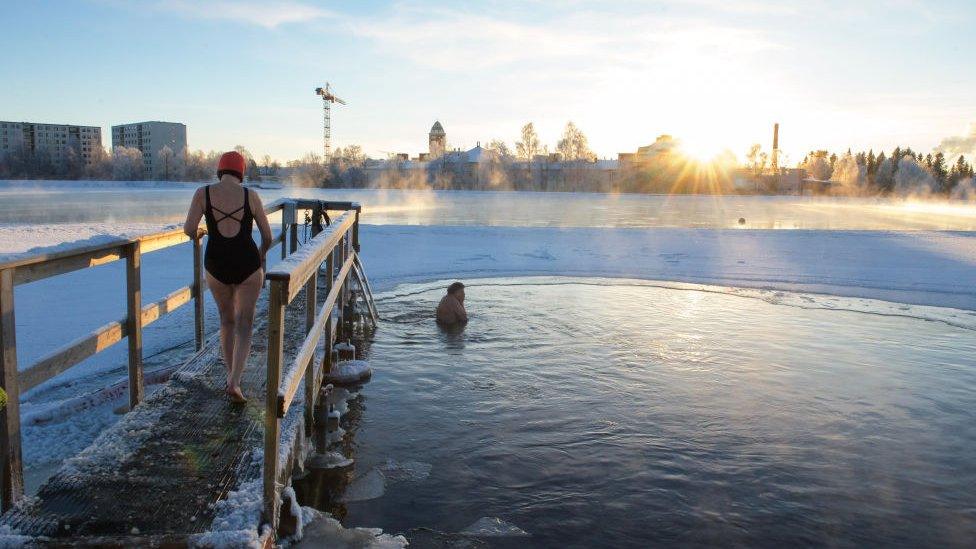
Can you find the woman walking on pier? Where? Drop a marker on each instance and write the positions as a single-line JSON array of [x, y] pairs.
[[234, 264]]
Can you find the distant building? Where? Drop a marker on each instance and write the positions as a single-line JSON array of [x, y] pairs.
[[438, 140], [150, 138], [57, 140], [483, 169], [663, 146]]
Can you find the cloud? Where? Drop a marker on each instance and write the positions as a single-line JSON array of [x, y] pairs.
[[269, 14], [959, 144], [461, 41]]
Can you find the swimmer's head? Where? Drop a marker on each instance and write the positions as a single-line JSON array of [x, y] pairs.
[[456, 289]]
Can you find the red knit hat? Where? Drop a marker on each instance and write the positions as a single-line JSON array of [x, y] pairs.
[[233, 163]]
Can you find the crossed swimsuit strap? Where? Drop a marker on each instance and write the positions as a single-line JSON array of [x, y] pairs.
[[225, 214]]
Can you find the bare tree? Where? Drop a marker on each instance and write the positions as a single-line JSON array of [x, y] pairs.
[[201, 166], [308, 171], [756, 160], [528, 147], [499, 149], [573, 145]]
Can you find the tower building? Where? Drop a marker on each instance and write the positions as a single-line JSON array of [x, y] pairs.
[[438, 140]]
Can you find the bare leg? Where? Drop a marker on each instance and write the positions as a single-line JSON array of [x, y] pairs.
[[223, 294], [245, 298]]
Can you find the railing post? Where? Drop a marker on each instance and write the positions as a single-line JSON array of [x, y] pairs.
[[272, 425], [355, 230], [341, 299], [316, 218], [311, 391], [133, 321], [199, 328], [288, 220], [329, 282], [10, 457], [347, 315]]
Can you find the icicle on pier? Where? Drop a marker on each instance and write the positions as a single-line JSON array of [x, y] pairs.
[[185, 466]]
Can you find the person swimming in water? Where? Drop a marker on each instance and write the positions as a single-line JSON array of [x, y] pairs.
[[450, 311], [234, 263]]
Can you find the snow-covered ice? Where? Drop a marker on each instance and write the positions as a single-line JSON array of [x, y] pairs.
[[322, 530], [914, 267]]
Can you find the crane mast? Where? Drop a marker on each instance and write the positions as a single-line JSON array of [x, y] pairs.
[[328, 98]]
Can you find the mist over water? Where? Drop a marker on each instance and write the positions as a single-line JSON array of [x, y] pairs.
[[28, 202]]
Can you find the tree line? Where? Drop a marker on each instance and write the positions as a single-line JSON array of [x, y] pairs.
[[125, 164]]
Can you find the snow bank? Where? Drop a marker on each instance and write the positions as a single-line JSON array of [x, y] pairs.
[[236, 515], [18, 239], [914, 267]]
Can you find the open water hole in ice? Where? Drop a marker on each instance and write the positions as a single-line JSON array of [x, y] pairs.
[[622, 415]]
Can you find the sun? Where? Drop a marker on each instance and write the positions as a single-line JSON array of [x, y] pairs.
[[701, 149]]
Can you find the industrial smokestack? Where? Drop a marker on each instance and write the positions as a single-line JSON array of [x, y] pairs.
[[776, 146]]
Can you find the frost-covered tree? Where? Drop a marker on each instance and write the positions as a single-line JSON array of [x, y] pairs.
[[818, 166], [884, 176], [913, 178], [849, 175], [127, 164], [964, 189], [529, 146], [574, 145], [73, 164], [939, 171], [170, 164], [99, 164], [960, 171]]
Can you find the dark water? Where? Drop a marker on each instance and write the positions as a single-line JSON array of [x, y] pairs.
[[89, 202], [628, 416]]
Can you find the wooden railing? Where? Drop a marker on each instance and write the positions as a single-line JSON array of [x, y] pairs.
[[337, 249], [41, 266]]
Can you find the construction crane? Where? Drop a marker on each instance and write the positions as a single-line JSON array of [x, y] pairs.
[[328, 98]]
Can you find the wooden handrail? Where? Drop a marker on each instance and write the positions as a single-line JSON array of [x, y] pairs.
[[298, 267], [43, 265], [39, 266], [296, 371], [333, 246]]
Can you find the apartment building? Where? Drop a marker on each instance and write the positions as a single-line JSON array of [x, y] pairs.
[[57, 140], [150, 138]]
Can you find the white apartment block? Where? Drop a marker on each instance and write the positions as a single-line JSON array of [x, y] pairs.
[[57, 140], [150, 138]]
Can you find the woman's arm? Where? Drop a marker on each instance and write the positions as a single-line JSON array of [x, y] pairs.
[[257, 210], [193, 215]]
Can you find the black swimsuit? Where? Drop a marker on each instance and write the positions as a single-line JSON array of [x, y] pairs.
[[230, 260]]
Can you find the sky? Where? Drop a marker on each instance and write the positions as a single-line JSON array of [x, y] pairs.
[[713, 73]]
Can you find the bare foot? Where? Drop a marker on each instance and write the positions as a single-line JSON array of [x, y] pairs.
[[235, 394]]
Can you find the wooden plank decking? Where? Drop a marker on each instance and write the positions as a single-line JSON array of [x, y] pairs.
[[155, 477]]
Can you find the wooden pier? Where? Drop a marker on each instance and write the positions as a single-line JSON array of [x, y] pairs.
[[186, 467]]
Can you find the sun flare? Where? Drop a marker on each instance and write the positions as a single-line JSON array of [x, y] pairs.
[[702, 150]]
